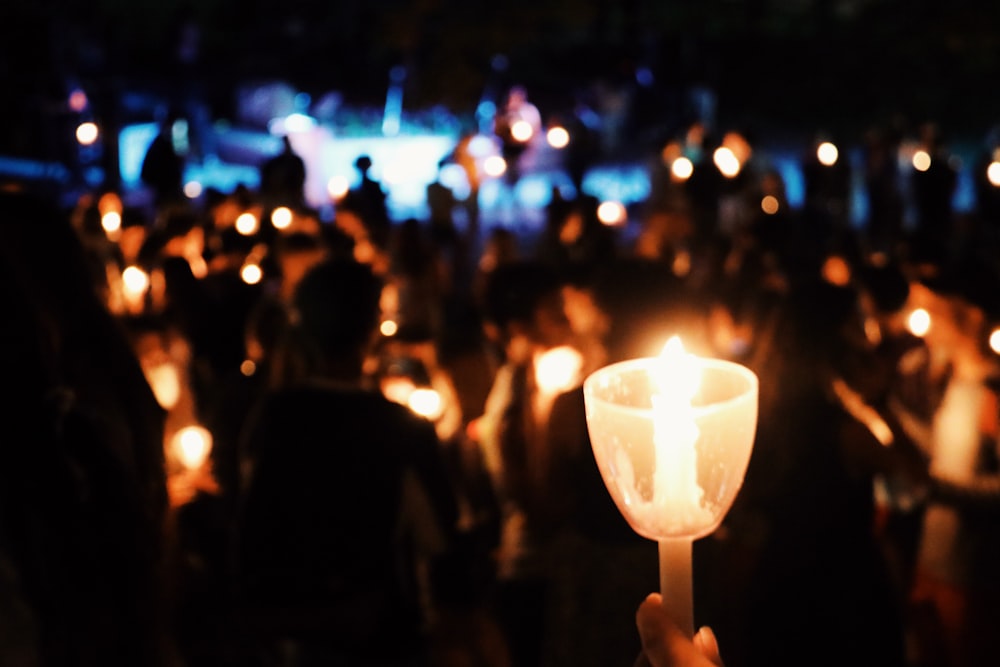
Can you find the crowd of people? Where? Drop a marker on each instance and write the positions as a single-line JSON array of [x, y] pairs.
[[330, 518]]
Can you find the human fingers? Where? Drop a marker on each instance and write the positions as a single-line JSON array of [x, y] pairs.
[[663, 643], [708, 645]]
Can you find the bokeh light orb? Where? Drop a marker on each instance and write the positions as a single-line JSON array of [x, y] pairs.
[[281, 217], [87, 133], [827, 154], [247, 224], [993, 174], [557, 137], [919, 322], [681, 169], [726, 162], [494, 166], [612, 213], [921, 160]]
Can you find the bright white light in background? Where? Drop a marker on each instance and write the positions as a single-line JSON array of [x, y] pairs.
[[338, 187], [557, 137], [726, 162], [77, 100], [192, 189], [281, 217], [995, 341], [769, 204], [247, 224], [827, 154], [135, 279], [111, 222], [251, 273], [681, 169], [388, 328], [395, 173], [611, 213], [481, 146], [294, 122], [494, 166], [191, 445], [426, 402], [921, 160], [86, 133], [521, 131], [919, 322], [993, 174]]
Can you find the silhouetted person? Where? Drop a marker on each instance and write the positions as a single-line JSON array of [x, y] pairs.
[[283, 176], [82, 481], [368, 200], [347, 498], [162, 167]]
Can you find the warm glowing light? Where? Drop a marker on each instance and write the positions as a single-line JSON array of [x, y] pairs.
[[919, 322], [993, 174], [426, 402], [109, 201], [247, 224], [557, 137], [726, 162], [558, 369], [921, 160], [681, 169], [388, 328], [281, 217], [136, 280], [769, 204], [521, 131], [827, 154], [248, 367], [192, 445], [836, 270], [494, 166], [251, 273], [77, 100], [611, 213], [86, 133], [165, 381], [338, 187], [995, 340], [193, 189], [111, 222], [672, 438], [398, 389]]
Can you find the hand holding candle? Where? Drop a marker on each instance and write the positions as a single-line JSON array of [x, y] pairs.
[[672, 437]]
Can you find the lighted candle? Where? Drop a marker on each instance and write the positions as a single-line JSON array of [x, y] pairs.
[[672, 437], [192, 445]]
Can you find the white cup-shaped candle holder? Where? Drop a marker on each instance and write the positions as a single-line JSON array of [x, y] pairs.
[[672, 437]]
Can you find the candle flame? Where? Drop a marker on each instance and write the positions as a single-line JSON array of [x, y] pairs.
[[677, 376], [191, 446]]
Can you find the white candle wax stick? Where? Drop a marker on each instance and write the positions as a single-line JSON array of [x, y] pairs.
[[676, 586]]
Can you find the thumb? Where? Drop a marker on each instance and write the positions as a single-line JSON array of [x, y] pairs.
[[708, 645], [663, 643]]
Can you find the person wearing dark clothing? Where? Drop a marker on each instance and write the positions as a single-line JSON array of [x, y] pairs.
[[162, 168], [368, 200], [283, 177], [347, 500], [82, 481]]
